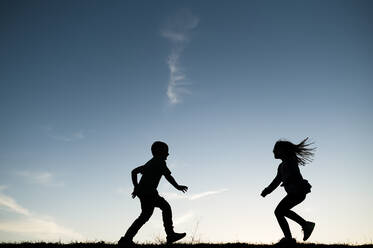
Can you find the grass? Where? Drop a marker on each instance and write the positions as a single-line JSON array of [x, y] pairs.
[[177, 245]]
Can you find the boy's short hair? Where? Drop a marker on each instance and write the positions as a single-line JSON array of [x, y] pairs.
[[158, 147]]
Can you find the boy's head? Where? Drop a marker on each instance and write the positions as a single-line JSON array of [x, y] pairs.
[[160, 150]]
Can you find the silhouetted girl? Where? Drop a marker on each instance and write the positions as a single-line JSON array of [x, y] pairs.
[[296, 187]]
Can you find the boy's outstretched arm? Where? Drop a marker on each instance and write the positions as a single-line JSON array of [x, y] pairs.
[[134, 179], [171, 180]]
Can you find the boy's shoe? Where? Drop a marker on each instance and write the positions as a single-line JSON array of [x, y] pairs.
[[307, 230], [286, 242], [175, 237], [125, 243]]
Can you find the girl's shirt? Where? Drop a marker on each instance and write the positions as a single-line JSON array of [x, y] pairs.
[[289, 175]]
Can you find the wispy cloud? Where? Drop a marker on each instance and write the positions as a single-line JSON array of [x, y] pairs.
[[207, 193], [42, 177], [36, 227], [64, 136], [177, 31], [178, 220], [11, 205], [123, 191], [184, 218], [193, 197], [40, 229], [176, 84]]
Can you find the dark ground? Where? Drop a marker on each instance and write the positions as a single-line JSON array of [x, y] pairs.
[[227, 245]]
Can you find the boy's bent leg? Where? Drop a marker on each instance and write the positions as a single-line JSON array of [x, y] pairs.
[[167, 221], [166, 214], [147, 209]]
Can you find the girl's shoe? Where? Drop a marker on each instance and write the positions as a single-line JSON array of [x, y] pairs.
[[308, 229]]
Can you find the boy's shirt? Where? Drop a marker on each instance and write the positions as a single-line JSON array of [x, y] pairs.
[[152, 172]]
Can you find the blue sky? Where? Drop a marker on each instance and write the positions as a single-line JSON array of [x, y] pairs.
[[87, 86]]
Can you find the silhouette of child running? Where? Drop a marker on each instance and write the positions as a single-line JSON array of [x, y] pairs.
[[296, 187], [146, 191]]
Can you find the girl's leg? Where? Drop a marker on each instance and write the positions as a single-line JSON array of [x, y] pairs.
[[295, 200], [283, 210], [295, 217], [280, 215]]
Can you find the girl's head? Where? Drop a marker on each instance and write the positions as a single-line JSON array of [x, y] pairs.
[[301, 152], [160, 150]]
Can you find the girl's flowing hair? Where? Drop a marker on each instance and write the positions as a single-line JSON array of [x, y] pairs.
[[301, 152]]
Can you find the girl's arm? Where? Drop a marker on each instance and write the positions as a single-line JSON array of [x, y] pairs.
[[272, 186]]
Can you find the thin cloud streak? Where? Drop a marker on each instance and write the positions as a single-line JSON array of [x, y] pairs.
[[177, 78], [177, 31], [36, 227], [193, 197], [66, 137], [11, 205], [174, 37], [184, 218], [208, 193], [123, 191], [43, 178], [40, 229]]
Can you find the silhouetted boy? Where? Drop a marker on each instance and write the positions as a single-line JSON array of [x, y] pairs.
[[146, 191]]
